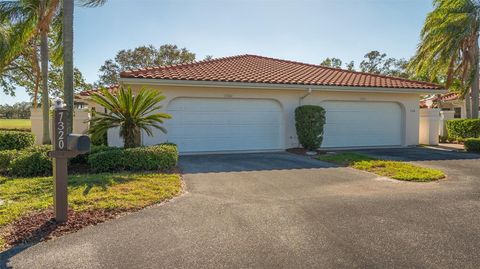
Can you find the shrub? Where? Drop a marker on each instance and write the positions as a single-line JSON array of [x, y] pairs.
[[159, 157], [31, 162], [83, 158], [472, 144], [106, 161], [6, 157], [463, 128], [15, 140], [309, 121]]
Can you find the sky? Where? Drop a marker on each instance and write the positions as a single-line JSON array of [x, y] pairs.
[[300, 30]]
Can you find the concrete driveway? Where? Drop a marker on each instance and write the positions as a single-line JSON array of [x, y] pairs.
[[285, 211]]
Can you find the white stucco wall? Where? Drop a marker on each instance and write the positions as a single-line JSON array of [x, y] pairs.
[[289, 100]]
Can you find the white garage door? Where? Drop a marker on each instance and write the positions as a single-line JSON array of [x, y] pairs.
[[202, 124], [362, 124]]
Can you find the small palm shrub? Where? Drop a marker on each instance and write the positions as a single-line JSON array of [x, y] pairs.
[[309, 122], [132, 113]]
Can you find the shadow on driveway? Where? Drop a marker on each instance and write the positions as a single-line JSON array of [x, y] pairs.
[[217, 163], [418, 154]]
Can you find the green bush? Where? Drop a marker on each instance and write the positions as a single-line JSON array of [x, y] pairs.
[[472, 145], [16, 140], [309, 121], [6, 157], [31, 162], [83, 158], [463, 128], [159, 157], [105, 161]]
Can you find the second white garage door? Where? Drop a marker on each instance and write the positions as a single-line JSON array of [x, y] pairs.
[[204, 124], [362, 124]]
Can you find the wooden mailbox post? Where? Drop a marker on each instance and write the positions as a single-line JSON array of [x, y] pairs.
[[64, 146]]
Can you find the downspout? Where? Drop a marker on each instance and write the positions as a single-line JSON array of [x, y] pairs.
[[305, 96]]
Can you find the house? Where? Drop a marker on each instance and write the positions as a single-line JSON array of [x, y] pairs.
[[247, 103], [449, 101]]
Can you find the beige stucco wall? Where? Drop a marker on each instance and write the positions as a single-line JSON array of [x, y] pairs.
[[289, 100], [80, 123]]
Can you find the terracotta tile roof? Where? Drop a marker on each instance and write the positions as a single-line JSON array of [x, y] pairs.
[[451, 96], [112, 88], [444, 97], [259, 69]]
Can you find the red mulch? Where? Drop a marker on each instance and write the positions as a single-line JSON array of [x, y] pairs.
[[39, 226], [302, 151]]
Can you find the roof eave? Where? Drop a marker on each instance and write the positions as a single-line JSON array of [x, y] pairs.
[[247, 85]]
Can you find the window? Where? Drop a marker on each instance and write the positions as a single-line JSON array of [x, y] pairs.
[[458, 113]]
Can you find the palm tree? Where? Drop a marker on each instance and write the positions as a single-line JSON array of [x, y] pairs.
[[68, 11], [449, 47], [31, 19], [130, 113]]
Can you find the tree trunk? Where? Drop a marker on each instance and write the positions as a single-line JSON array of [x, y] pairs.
[[36, 70], [475, 82], [129, 136], [468, 105], [68, 60], [44, 67]]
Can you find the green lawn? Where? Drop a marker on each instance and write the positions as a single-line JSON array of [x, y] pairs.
[[15, 124], [126, 191], [393, 169]]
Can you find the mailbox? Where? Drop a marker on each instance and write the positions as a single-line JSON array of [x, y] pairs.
[[78, 143]]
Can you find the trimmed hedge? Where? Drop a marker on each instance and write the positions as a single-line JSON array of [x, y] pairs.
[[83, 158], [6, 157], [463, 128], [309, 121], [472, 145], [16, 140], [159, 157], [34, 161], [31, 162]]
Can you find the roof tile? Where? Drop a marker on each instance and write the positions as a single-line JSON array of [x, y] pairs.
[[258, 69]]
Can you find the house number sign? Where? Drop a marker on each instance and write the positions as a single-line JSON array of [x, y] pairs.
[[60, 130]]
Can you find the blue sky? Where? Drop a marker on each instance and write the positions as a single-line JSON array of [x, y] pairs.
[[301, 30]]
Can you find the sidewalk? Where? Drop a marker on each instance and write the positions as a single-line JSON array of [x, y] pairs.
[[448, 147]]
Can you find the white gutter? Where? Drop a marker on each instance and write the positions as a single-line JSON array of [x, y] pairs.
[[247, 85]]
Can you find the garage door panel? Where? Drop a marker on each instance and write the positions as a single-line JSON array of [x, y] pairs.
[[202, 124], [362, 124]]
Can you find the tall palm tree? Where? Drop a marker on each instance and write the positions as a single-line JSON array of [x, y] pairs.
[[31, 19], [130, 113], [68, 11], [449, 47]]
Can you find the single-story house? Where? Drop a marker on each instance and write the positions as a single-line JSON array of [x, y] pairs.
[[448, 102], [247, 103]]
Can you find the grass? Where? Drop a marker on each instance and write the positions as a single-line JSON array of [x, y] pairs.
[[393, 169], [15, 124], [129, 191]]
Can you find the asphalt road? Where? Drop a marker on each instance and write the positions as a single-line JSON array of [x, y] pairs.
[[279, 210]]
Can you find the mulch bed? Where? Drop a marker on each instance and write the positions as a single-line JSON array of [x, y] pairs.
[[302, 151], [41, 225]]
